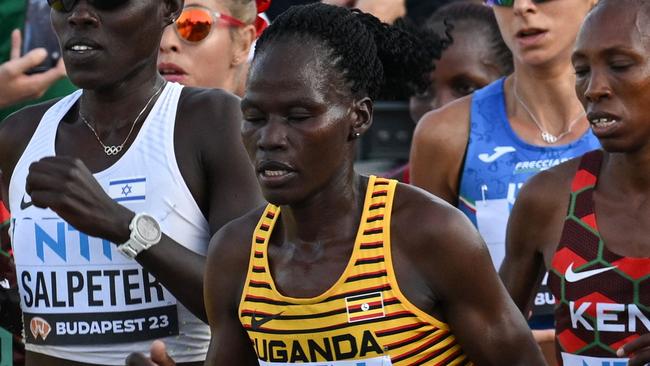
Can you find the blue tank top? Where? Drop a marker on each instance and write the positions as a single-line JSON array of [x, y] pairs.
[[498, 163]]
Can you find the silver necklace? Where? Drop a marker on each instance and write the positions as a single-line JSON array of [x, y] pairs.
[[548, 137], [115, 149]]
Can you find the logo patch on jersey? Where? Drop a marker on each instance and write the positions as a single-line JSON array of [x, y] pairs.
[[128, 190], [499, 151], [24, 204], [39, 327], [572, 276], [260, 319], [365, 307]]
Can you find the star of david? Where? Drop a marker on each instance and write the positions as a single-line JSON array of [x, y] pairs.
[[126, 190]]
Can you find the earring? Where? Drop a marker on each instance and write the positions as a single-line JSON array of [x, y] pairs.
[[356, 135]]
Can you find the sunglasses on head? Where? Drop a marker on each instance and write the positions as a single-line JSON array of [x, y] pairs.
[[509, 3], [196, 22], [68, 5]]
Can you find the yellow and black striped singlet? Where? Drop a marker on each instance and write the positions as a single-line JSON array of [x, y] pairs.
[[362, 320]]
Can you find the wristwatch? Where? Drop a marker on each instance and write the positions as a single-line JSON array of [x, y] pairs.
[[145, 233]]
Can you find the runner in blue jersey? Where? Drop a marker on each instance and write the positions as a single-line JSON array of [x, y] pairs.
[[477, 152]]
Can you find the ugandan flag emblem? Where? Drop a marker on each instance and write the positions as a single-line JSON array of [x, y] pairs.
[[365, 307]]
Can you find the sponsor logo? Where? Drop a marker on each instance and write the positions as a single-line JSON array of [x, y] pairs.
[[25, 205], [5, 284], [572, 276], [537, 165], [61, 239], [257, 322], [609, 317], [365, 307], [499, 151], [39, 327]]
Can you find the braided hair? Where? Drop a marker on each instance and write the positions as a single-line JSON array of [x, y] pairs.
[[375, 59], [471, 16]]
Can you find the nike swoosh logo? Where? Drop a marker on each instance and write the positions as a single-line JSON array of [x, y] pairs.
[[25, 205], [571, 276], [5, 284], [257, 322], [499, 151]]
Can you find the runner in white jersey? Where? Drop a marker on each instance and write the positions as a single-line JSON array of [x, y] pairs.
[[115, 191]]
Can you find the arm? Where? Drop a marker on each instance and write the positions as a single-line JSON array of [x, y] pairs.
[[214, 167], [534, 229], [438, 149], [447, 272], [224, 281], [221, 179], [227, 266], [475, 303], [18, 86]]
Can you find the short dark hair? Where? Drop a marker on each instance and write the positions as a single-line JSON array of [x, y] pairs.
[[374, 58], [474, 16]]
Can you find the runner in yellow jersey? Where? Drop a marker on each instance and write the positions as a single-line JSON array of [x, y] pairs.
[[342, 269]]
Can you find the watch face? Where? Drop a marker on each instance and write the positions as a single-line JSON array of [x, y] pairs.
[[148, 228]]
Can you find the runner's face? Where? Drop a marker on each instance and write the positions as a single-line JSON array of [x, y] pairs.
[[208, 63], [463, 67], [613, 75], [296, 125], [539, 33], [104, 46]]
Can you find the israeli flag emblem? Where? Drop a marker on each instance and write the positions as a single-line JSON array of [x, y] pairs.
[[128, 190]]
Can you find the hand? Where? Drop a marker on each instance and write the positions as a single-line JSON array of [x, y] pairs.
[[66, 186], [638, 351], [159, 357], [386, 10], [18, 86]]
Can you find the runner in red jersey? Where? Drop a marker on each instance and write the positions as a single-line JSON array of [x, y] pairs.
[[587, 221]]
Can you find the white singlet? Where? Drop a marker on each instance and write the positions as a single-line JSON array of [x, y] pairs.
[[82, 300]]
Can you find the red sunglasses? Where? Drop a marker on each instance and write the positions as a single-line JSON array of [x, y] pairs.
[[196, 22]]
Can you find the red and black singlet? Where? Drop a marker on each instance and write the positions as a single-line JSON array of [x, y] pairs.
[[602, 299]]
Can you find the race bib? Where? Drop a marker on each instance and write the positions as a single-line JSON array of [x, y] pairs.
[[577, 360], [77, 289], [492, 220]]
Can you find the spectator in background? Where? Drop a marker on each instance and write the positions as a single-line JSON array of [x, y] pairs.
[[477, 152], [16, 85], [12, 16], [208, 45]]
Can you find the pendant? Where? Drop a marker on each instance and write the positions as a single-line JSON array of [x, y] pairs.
[[548, 138], [112, 150]]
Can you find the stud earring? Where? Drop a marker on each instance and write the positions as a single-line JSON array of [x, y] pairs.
[[356, 135]]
